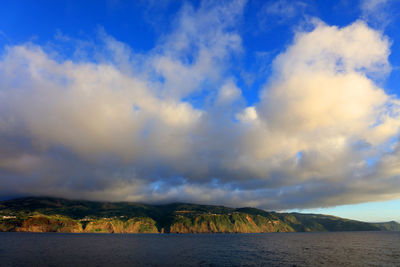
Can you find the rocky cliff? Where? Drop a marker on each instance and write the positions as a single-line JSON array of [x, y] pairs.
[[42, 223], [135, 225], [35, 214], [230, 223]]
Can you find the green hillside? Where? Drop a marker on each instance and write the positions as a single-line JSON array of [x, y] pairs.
[[388, 226], [45, 214]]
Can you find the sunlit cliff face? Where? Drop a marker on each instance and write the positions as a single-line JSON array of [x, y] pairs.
[[126, 126]]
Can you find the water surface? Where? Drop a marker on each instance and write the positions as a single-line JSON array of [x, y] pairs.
[[274, 249]]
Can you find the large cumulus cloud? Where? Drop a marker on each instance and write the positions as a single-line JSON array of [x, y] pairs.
[[172, 124]]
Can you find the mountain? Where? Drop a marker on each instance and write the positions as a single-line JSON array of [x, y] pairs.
[[388, 226], [45, 214]]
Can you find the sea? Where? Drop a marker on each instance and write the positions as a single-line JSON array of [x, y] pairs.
[[271, 249]]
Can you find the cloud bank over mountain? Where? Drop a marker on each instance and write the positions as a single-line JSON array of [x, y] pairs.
[[172, 124]]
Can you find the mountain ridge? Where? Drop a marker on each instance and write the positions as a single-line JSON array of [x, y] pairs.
[[48, 214]]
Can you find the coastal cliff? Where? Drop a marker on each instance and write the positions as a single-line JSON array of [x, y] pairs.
[[135, 225], [230, 223], [46, 214], [42, 224], [234, 223]]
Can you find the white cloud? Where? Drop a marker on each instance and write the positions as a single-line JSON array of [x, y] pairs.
[[86, 107], [376, 12], [228, 93], [248, 115], [123, 128], [369, 6], [285, 9], [281, 12], [321, 103], [199, 48]]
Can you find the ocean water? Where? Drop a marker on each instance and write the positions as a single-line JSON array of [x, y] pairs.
[[274, 249]]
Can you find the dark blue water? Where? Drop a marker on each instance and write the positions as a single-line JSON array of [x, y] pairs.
[[275, 249]]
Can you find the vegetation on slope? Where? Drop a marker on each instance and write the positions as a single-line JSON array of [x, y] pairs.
[[388, 226], [227, 223], [135, 225], [323, 223], [44, 214]]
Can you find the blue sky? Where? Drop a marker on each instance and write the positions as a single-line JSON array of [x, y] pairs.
[[282, 105]]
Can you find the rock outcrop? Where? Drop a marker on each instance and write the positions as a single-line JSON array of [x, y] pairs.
[[136, 225], [230, 223], [42, 223]]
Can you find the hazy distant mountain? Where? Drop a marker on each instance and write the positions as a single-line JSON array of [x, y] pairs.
[[44, 214], [388, 226]]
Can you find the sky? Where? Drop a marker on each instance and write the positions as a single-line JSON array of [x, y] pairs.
[[280, 105]]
